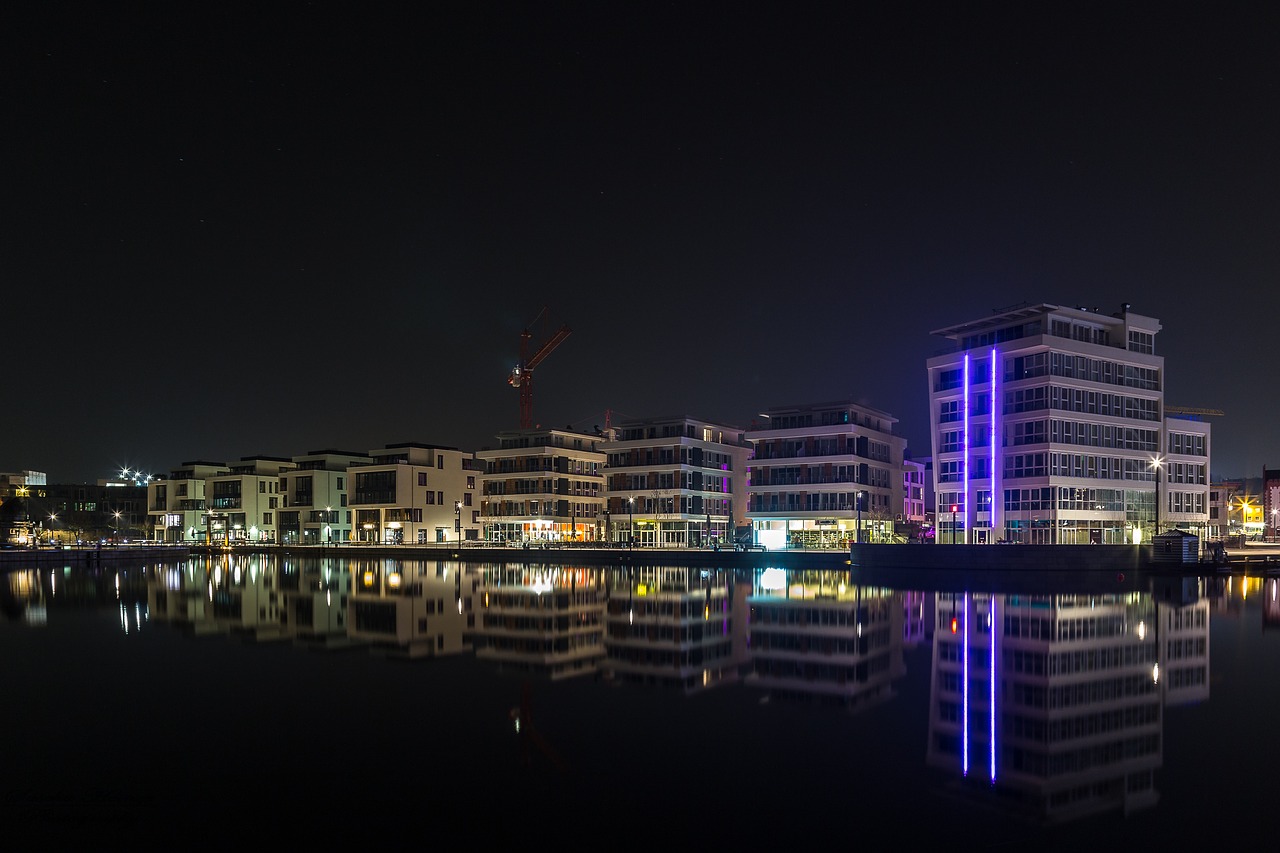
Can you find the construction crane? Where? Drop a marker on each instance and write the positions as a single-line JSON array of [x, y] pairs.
[[1194, 414], [522, 374]]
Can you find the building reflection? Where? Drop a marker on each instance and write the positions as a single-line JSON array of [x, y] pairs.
[[814, 637], [1050, 702], [315, 594], [541, 619], [674, 627], [410, 608], [1042, 704]]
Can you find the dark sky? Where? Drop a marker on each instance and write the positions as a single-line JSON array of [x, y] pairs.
[[273, 228]]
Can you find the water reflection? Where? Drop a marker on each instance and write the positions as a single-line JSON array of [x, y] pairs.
[[1047, 705]]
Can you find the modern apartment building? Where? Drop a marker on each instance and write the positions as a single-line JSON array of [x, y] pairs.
[[675, 482], [822, 472], [411, 493], [543, 485], [314, 509], [1058, 414], [176, 506], [243, 502]]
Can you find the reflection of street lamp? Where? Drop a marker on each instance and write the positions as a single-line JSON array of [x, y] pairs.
[[1157, 462]]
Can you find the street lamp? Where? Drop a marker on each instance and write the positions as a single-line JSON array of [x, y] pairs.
[[631, 523], [457, 520], [857, 535], [117, 516], [1156, 463], [328, 521]]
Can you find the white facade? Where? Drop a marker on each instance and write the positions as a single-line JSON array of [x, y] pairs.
[[675, 482], [412, 494], [542, 486], [176, 504], [243, 502], [1057, 412], [314, 509], [820, 472]]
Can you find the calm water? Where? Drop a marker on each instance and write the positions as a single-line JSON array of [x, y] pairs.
[[238, 701]]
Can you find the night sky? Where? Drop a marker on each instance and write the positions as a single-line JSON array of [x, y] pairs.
[[274, 228]]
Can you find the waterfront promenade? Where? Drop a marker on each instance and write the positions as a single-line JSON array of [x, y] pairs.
[[1262, 557]]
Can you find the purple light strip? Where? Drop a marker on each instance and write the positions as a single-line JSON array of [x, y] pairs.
[[993, 687], [997, 499], [965, 476], [964, 654]]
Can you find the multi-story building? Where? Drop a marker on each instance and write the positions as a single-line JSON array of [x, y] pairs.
[[20, 507], [1270, 500], [824, 475], [176, 506], [915, 490], [244, 502], [1182, 477], [1057, 412], [1225, 499], [543, 485], [314, 509], [412, 493], [675, 482]]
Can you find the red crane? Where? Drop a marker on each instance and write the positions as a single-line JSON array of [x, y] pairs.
[[522, 374]]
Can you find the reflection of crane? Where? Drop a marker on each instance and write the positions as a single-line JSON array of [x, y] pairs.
[[522, 717], [522, 375]]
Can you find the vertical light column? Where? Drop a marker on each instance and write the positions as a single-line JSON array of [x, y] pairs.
[[991, 614], [997, 498], [964, 477], [964, 680]]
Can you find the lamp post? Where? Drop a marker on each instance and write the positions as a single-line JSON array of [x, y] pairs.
[[457, 520], [117, 517], [1156, 463], [857, 534], [1273, 525], [631, 522]]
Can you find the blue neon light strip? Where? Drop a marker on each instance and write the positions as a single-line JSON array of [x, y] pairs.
[[993, 687], [964, 654], [997, 499], [965, 476]]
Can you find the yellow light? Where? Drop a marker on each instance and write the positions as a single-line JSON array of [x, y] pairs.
[[393, 580], [368, 578]]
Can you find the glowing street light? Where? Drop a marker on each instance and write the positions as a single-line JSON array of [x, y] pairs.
[[1157, 462], [117, 516], [631, 524]]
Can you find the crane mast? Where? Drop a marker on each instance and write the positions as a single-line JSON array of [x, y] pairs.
[[522, 375]]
